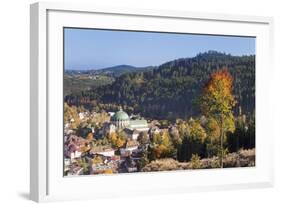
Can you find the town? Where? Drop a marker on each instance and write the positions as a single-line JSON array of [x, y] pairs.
[[91, 154]]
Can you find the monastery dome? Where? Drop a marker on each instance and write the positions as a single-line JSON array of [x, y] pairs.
[[120, 116]]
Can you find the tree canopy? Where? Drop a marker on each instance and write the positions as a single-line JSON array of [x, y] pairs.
[[169, 91]]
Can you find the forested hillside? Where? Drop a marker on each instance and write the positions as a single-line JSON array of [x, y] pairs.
[[170, 90]]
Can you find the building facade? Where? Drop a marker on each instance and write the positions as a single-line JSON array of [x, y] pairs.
[[132, 128]]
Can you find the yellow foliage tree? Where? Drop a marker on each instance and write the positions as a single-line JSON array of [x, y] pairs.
[[119, 142], [113, 137], [217, 102], [116, 141], [163, 145], [71, 116], [196, 131]]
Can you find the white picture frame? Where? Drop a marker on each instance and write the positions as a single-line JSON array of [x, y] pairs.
[[46, 176]]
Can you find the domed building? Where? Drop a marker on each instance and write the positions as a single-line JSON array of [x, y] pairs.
[[120, 119]]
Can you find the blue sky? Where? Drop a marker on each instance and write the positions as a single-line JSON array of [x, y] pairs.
[[95, 49]]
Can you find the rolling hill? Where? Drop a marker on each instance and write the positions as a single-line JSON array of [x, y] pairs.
[[169, 91], [114, 71]]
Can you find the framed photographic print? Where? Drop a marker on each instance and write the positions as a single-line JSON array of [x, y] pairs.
[[128, 101]]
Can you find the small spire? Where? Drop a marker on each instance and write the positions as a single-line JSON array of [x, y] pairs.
[[120, 108]]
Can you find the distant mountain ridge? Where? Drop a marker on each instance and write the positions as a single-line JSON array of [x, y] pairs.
[[118, 70], [113, 70], [170, 90]]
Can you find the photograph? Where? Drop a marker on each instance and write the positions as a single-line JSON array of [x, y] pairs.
[[150, 101]]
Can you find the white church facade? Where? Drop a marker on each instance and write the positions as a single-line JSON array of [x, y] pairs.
[[121, 120]]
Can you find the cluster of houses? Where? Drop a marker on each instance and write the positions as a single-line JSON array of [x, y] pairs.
[[79, 152]]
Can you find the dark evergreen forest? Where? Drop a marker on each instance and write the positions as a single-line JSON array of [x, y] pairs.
[[170, 90]]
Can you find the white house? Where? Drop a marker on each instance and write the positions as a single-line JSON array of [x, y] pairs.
[[103, 150], [132, 134], [75, 154], [82, 115], [111, 113], [107, 153]]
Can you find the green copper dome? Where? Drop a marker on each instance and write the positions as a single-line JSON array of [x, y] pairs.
[[120, 116]]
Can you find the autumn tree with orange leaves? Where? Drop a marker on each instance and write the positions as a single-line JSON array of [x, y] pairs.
[[217, 102]]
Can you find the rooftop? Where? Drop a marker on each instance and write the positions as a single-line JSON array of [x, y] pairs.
[[120, 115], [138, 123], [101, 149], [131, 143]]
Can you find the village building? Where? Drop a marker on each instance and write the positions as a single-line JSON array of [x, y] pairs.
[[100, 168], [132, 134], [75, 171], [104, 164], [106, 151], [75, 155], [132, 127], [129, 147], [120, 119], [72, 151], [138, 125], [109, 128], [111, 113]]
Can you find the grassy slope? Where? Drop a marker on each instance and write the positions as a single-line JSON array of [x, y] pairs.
[[76, 84]]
